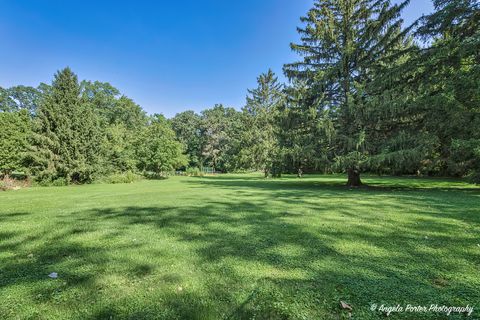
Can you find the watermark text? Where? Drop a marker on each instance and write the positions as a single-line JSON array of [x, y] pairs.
[[433, 308]]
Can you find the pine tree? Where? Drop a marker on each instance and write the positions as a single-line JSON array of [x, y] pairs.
[[67, 142], [260, 140], [341, 44], [306, 131], [448, 71]]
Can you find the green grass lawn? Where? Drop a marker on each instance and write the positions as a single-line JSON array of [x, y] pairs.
[[239, 246]]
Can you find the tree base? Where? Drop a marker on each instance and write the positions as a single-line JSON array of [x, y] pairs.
[[353, 178]]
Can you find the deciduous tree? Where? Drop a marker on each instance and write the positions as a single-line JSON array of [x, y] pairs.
[[158, 150]]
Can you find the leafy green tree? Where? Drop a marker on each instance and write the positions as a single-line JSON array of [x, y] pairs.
[[18, 98], [260, 138], [67, 140], [6, 103], [119, 149], [158, 150], [15, 130], [188, 128], [111, 106], [102, 97], [342, 41], [121, 119], [466, 152], [419, 108], [426, 103], [129, 113], [221, 132], [453, 20]]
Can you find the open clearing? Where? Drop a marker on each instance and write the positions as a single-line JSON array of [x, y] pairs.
[[239, 246]]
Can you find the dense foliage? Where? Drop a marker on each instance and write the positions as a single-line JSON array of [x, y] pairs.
[[368, 94], [15, 131], [67, 138], [72, 132], [157, 149], [260, 144]]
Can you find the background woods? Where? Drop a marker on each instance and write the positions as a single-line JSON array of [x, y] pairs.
[[368, 94]]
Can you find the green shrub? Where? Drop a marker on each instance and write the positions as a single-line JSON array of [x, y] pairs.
[[60, 182], [157, 175], [194, 172], [127, 177], [18, 175]]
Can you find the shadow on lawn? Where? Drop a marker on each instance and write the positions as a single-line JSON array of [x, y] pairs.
[[294, 190], [301, 270], [336, 183], [400, 271]]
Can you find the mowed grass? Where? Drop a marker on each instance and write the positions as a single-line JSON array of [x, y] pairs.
[[239, 246]]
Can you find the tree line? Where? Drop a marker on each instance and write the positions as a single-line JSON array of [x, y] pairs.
[[368, 94], [76, 132]]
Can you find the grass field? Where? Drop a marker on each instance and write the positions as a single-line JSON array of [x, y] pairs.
[[239, 246]]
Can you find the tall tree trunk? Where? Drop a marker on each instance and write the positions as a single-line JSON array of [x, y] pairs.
[[353, 178]]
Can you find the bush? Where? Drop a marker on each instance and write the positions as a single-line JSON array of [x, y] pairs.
[[475, 177], [157, 175], [59, 182], [48, 182], [194, 172], [127, 177], [9, 183], [19, 175]]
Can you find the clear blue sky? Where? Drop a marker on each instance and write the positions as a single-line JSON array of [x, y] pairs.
[[168, 56]]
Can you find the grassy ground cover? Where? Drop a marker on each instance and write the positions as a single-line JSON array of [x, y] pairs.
[[239, 246]]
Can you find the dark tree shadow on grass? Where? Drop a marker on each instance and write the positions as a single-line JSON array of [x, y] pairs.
[[334, 183], [295, 190], [359, 278]]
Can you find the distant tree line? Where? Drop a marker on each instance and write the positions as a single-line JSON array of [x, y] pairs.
[[368, 95], [71, 132]]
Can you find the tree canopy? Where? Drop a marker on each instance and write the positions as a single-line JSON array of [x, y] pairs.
[[367, 94]]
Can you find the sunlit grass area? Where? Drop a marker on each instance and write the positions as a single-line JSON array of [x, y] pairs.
[[239, 246]]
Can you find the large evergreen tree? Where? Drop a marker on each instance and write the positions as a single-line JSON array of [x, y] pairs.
[[448, 73], [260, 138], [67, 141], [306, 131], [419, 107], [341, 43]]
